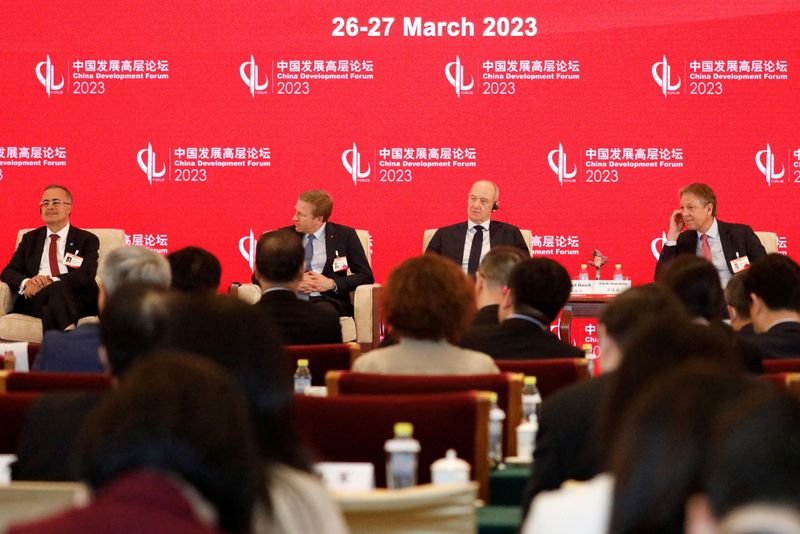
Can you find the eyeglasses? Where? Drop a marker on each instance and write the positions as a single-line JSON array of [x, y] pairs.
[[55, 203]]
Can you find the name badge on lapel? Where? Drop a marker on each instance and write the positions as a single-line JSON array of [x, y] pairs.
[[339, 264], [73, 260], [740, 264]]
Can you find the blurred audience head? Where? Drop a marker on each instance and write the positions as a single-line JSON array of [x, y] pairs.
[[280, 259], [696, 283], [493, 271], [135, 264], [537, 287], [772, 285], [737, 302], [194, 270], [628, 311], [429, 297], [181, 417], [132, 323]]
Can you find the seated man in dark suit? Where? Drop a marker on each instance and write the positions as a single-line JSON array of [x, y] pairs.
[[458, 241], [331, 251], [76, 351], [773, 286], [54, 266], [537, 290], [491, 279], [726, 245], [279, 270]]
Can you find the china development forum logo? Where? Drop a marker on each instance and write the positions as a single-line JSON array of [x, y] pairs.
[[247, 248], [46, 73], [662, 74], [249, 73], [765, 161], [454, 71], [558, 164], [351, 159], [147, 162]]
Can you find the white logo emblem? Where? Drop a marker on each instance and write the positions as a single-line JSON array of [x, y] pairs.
[[663, 78], [48, 77], [249, 73], [455, 75], [247, 247], [148, 165], [765, 160], [657, 244], [560, 166], [351, 159]]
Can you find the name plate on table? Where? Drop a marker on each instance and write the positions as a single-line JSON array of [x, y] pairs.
[[353, 476], [20, 350], [599, 287]]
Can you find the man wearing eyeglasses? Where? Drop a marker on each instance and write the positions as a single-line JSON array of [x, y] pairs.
[[53, 269]]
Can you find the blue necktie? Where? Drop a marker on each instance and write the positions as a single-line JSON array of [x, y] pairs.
[[309, 251]]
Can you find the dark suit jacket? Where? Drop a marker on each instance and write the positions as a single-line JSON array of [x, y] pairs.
[[518, 339], [299, 322], [343, 241], [566, 444], [486, 316], [49, 434], [782, 341], [70, 352], [735, 238], [25, 264], [449, 240]]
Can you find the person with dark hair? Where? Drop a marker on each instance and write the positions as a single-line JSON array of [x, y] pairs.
[[567, 443], [696, 283], [279, 270], [174, 440], [429, 303], [468, 243], [194, 269], [54, 266], [773, 287], [537, 290], [738, 305], [334, 260], [491, 279], [726, 245], [132, 322], [240, 338]]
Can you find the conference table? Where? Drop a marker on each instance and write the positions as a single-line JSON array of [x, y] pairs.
[[504, 514], [580, 306]]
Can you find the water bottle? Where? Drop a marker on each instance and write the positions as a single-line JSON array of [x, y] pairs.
[[526, 437], [496, 418], [584, 272], [531, 398], [401, 460], [591, 359], [302, 377], [618, 272]]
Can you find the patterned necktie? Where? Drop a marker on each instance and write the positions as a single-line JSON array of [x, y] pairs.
[[309, 251], [53, 256], [475, 251], [706, 247]]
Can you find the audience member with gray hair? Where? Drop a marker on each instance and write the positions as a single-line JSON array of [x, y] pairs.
[[77, 351]]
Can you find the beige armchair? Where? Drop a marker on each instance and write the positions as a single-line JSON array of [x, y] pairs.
[[527, 235], [19, 327], [769, 240], [364, 327]]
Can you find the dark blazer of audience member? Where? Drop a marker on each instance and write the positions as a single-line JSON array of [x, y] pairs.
[[537, 290], [131, 324], [567, 443], [279, 270], [428, 302], [176, 420], [773, 287], [660, 453], [332, 283], [194, 269], [490, 281]]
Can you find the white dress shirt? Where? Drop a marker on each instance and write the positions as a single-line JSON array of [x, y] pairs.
[[468, 242]]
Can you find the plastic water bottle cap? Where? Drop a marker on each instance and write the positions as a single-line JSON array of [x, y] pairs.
[[302, 363], [530, 380], [583, 265], [618, 266], [403, 430], [493, 397]]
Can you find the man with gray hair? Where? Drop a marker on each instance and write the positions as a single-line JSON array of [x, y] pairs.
[[76, 351]]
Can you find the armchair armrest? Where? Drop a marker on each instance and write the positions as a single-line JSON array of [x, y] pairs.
[[367, 315], [6, 299]]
